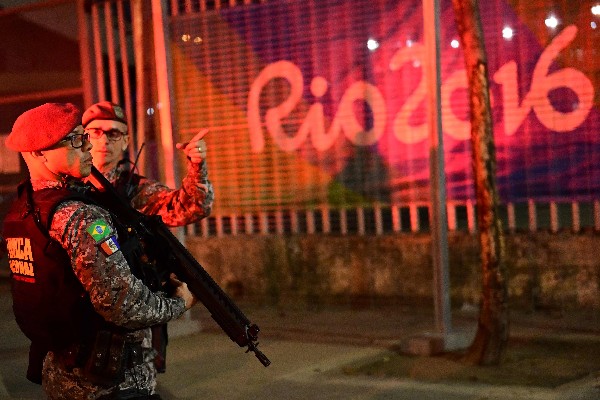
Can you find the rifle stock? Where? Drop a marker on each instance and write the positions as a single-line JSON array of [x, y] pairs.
[[179, 261]]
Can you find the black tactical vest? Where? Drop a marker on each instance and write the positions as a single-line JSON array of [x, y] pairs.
[[47, 296], [50, 305]]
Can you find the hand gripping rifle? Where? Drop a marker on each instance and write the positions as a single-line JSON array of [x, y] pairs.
[[177, 259]]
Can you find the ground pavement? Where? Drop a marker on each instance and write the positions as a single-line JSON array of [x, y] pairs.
[[307, 350]]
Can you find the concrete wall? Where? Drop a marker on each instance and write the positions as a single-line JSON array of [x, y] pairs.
[[546, 271], [552, 271]]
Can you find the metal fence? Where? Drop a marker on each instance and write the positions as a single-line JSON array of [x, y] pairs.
[[408, 218]]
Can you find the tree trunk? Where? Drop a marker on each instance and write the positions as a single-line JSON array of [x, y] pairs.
[[492, 329]]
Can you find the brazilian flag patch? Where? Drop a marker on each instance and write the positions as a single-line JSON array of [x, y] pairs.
[[99, 230]]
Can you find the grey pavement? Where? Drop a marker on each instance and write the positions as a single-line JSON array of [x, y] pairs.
[[308, 350]]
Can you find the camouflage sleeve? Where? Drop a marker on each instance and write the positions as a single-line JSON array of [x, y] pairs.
[[88, 235], [177, 207]]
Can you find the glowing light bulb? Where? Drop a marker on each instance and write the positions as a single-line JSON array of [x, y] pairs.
[[454, 43], [596, 9], [507, 33], [551, 22], [372, 44]]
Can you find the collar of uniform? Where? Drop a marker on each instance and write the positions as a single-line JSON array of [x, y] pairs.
[[114, 173], [79, 186], [73, 184], [39, 184]]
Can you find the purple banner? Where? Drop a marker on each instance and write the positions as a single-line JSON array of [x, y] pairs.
[[339, 86]]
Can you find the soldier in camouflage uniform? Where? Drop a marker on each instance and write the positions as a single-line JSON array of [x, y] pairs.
[[75, 276], [107, 125]]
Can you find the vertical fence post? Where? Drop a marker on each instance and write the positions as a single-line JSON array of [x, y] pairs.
[[512, 219], [85, 54], [264, 222], [279, 222], [471, 223], [415, 226], [451, 211], [325, 219], [439, 229], [378, 220], [576, 216], [294, 222], [531, 212], [396, 220], [98, 52], [343, 222], [554, 224], [190, 230], [111, 53], [248, 223], [234, 224], [205, 228], [162, 59], [219, 225], [360, 216], [310, 221]]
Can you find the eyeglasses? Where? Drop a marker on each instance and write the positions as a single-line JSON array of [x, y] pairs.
[[112, 134], [77, 139]]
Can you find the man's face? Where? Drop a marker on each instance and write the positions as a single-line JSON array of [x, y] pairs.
[[65, 159], [110, 141]]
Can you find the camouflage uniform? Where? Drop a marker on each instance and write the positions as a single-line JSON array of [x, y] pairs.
[[116, 295], [177, 207]]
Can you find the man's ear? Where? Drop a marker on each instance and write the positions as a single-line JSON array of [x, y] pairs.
[[38, 154]]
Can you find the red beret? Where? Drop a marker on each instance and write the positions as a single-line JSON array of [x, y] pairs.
[[43, 126], [105, 110]]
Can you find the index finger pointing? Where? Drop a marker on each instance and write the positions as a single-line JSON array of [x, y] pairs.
[[200, 135], [192, 141]]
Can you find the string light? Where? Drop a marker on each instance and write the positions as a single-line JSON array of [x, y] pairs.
[[551, 22], [372, 44]]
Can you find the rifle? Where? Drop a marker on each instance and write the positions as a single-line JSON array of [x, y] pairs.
[[177, 259]]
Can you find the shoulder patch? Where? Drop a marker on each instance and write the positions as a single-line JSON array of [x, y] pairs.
[[110, 246], [99, 230]]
